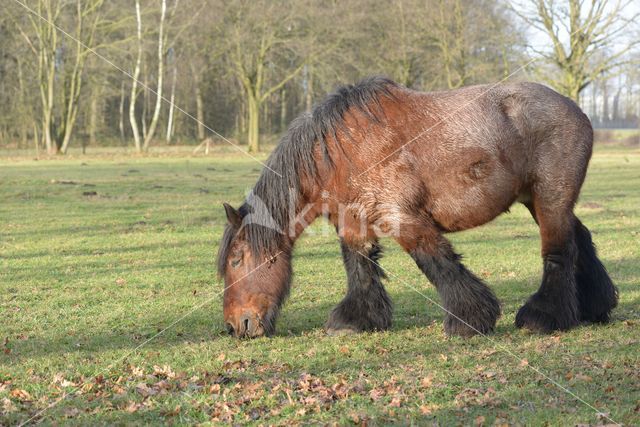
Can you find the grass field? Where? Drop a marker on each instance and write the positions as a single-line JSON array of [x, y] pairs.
[[98, 255]]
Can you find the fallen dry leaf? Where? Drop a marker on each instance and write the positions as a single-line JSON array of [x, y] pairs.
[[175, 411], [136, 371], [144, 390], [489, 374], [396, 402], [427, 381], [163, 372], [376, 393], [583, 377], [425, 409], [21, 395], [132, 407]]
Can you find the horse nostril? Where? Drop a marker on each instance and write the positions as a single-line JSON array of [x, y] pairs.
[[229, 327], [246, 321], [246, 326]]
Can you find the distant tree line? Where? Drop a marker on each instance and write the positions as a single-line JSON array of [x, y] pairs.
[[150, 72]]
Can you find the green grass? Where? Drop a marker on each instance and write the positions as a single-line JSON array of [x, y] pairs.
[[86, 280]]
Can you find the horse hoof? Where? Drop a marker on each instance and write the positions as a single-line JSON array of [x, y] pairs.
[[340, 332], [537, 320], [455, 327]]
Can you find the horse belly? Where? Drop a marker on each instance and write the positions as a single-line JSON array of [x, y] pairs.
[[471, 194]]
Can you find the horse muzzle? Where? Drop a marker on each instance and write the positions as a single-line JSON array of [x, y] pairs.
[[247, 325]]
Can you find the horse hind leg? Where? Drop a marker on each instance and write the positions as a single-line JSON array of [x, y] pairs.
[[366, 307], [555, 305], [596, 292]]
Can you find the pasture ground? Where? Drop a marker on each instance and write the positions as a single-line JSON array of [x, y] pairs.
[[100, 254]]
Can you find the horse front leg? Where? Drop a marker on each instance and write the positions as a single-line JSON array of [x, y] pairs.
[[366, 307], [471, 307]]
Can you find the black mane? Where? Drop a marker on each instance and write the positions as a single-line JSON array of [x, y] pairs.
[[278, 187]]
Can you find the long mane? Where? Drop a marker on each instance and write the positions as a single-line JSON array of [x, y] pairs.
[[278, 187]]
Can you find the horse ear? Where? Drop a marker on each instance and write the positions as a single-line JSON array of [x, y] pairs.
[[233, 216]]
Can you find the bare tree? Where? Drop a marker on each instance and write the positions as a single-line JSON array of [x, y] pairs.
[[161, 51], [86, 20], [134, 83], [450, 38], [263, 37], [172, 100], [42, 39], [56, 64], [142, 142], [578, 30]]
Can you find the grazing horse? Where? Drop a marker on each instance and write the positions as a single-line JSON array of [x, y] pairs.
[[378, 159]]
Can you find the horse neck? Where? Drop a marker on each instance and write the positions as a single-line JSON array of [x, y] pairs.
[[306, 210]]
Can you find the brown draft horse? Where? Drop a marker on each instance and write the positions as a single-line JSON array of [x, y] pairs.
[[378, 159]]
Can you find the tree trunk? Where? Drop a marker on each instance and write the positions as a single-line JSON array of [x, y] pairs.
[[75, 78], [46, 73], [36, 140], [68, 131], [171, 104], [24, 125], [46, 133], [47, 109], [24, 135], [71, 109], [134, 84], [264, 117], [616, 103], [199, 104], [594, 102], [574, 92], [145, 102], [253, 137], [93, 116], [199, 111], [242, 126], [156, 111], [121, 111], [628, 104], [605, 102]]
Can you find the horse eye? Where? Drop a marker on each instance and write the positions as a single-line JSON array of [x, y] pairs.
[[236, 262]]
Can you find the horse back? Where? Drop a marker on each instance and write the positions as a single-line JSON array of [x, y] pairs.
[[463, 156]]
